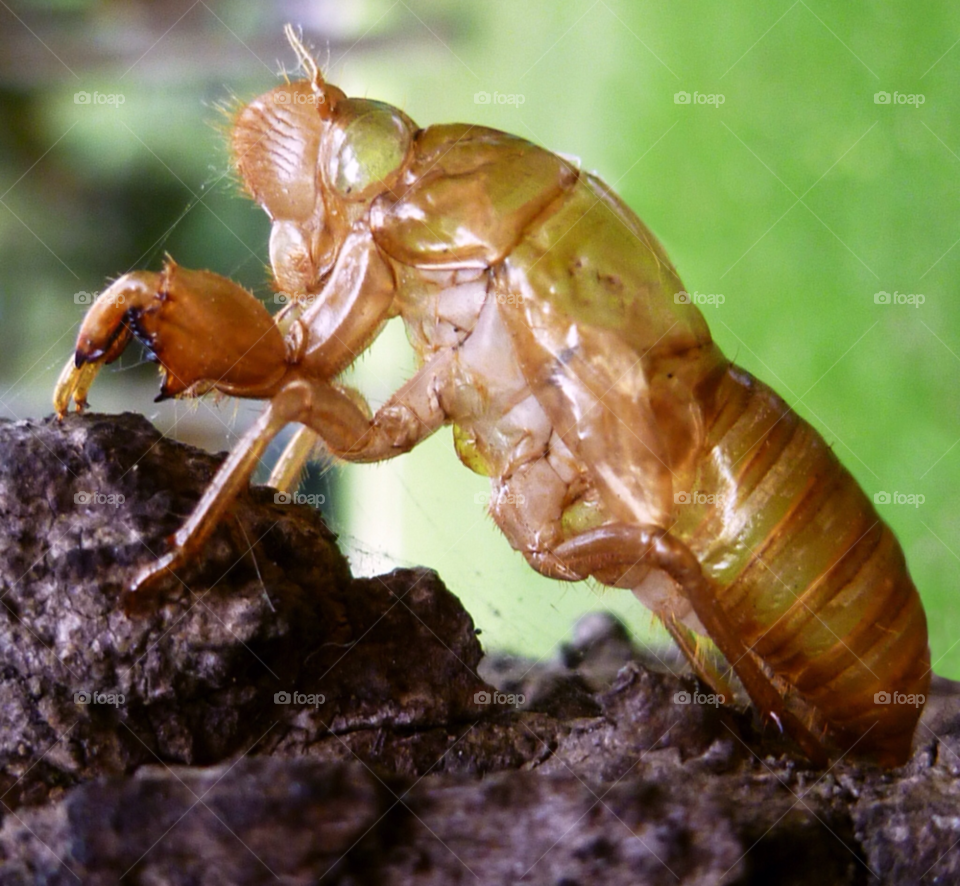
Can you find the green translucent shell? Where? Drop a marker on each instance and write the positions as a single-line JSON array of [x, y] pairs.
[[374, 146]]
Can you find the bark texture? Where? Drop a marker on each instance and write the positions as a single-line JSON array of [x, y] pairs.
[[275, 719]]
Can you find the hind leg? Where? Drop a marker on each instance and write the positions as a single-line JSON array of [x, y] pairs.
[[690, 644], [610, 552]]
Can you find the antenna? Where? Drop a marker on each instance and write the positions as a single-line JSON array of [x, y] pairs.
[[307, 61]]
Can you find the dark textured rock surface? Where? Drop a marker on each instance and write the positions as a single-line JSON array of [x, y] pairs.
[[402, 773], [271, 607]]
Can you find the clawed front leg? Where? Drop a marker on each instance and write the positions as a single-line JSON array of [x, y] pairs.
[[610, 552], [204, 330], [105, 333]]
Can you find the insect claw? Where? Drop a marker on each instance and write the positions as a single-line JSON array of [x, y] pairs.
[[147, 586], [244, 351], [73, 385]]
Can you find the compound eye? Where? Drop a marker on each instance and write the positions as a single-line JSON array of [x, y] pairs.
[[370, 151]]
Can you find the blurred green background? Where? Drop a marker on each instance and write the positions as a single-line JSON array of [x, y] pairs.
[[799, 197]]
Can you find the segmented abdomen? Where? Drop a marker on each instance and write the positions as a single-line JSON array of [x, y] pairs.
[[814, 581]]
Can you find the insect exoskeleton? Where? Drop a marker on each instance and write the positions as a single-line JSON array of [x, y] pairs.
[[553, 334]]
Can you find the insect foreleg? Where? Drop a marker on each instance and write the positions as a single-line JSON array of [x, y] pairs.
[[611, 550]]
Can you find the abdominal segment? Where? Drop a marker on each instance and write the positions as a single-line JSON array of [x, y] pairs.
[[812, 579]]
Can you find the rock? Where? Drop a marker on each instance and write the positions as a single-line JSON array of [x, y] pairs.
[[268, 720], [271, 607], [298, 821], [167, 825]]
